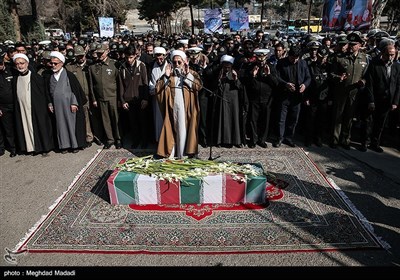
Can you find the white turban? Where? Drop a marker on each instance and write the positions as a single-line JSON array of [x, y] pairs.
[[227, 58], [159, 50], [58, 55], [20, 55], [178, 52]]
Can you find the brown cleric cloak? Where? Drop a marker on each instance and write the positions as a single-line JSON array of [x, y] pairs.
[[165, 93]]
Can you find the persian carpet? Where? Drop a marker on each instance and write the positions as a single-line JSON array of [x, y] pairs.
[[307, 215]]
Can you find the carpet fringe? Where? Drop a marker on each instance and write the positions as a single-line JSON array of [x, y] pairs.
[[359, 215], [20, 246]]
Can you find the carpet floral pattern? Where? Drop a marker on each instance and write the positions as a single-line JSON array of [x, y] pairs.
[[309, 216]]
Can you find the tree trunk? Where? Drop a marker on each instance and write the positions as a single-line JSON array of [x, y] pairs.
[[262, 15], [34, 10], [309, 16], [191, 18], [377, 9], [15, 19]]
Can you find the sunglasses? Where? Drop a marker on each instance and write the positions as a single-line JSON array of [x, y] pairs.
[[177, 62], [54, 63]]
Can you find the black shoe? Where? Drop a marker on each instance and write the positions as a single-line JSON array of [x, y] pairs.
[[239, 146], [289, 143], [2, 152], [88, 144], [362, 148], [97, 142], [251, 146], [346, 146], [277, 144], [64, 151], [262, 144], [13, 154], [375, 148], [107, 146], [74, 151], [118, 145], [45, 154]]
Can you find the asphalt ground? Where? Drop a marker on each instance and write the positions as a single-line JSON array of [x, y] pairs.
[[30, 184]]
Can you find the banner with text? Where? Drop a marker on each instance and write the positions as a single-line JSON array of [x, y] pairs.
[[106, 27], [346, 15], [212, 21], [239, 19]]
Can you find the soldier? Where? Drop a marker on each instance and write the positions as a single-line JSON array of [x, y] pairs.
[[103, 76], [348, 72], [80, 68]]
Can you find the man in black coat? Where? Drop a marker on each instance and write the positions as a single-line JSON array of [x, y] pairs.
[[383, 94], [294, 77]]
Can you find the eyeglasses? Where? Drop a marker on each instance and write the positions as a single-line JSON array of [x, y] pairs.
[[177, 62], [54, 63], [158, 54]]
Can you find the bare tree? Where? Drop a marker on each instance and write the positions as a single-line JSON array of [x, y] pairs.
[[377, 9]]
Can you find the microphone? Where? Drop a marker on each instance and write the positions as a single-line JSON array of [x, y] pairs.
[[177, 72]]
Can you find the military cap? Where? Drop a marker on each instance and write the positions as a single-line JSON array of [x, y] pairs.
[[101, 48], [341, 40], [372, 32], [354, 38], [313, 45], [194, 50], [79, 50], [113, 47], [164, 44], [93, 46], [2, 57], [121, 47], [70, 55], [323, 51], [261, 52], [381, 34], [82, 42], [46, 55], [208, 41], [61, 46], [221, 51]]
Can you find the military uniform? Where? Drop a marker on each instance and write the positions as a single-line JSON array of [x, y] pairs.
[[103, 78], [345, 91]]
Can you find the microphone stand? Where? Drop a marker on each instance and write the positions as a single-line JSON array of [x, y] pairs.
[[213, 95]]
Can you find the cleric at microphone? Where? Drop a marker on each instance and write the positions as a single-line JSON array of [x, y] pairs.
[[177, 94]]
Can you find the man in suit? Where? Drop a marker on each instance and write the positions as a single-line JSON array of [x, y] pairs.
[[383, 94], [294, 78]]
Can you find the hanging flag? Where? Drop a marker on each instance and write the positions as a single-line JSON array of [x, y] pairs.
[[345, 15], [106, 26], [213, 21], [239, 19]]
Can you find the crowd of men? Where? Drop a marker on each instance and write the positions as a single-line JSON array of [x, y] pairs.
[[183, 90]]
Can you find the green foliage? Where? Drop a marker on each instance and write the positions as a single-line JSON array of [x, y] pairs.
[[36, 32], [6, 24]]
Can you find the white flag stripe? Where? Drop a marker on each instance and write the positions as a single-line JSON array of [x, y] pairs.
[[212, 189], [147, 189]]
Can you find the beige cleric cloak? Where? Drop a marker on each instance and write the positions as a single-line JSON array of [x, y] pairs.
[[165, 93]]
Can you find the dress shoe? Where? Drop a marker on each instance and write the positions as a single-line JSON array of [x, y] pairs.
[[88, 144], [251, 146], [74, 151], [118, 145], [97, 142], [107, 146], [64, 151], [333, 145], [277, 144], [2, 152], [289, 143], [45, 154], [346, 146], [362, 148], [375, 148], [262, 144], [13, 154]]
